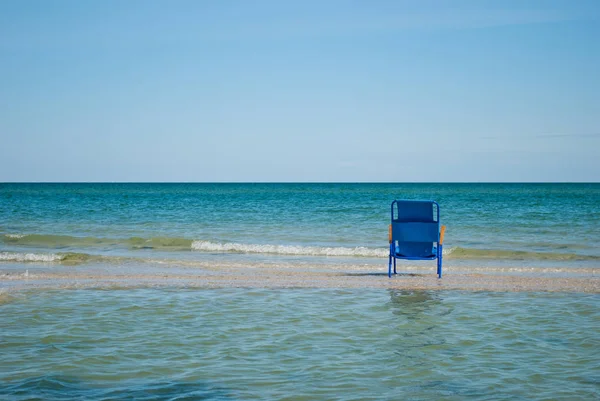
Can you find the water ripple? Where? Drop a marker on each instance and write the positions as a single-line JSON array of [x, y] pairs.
[[299, 345]]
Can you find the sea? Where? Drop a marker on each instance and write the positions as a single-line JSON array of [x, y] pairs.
[[243, 341]]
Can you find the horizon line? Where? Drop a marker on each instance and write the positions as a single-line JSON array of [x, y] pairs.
[[299, 182]]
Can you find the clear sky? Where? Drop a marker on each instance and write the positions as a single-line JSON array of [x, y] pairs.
[[301, 90]]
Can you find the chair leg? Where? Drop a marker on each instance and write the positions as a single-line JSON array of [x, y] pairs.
[[439, 262], [395, 266], [390, 263]]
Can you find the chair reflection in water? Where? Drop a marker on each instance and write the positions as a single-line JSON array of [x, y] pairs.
[[415, 233]]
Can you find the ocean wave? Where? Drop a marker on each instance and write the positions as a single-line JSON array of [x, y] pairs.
[[174, 244], [163, 243], [359, 251], [50, 240], [504, 254], [30, 257], [68, 257]]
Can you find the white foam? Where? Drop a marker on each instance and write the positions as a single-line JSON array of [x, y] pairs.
[[207, 246], [15, 236], [448, 251], [29, 257]]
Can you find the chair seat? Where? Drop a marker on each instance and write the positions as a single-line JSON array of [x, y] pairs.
[[425, 257], [416, 256]]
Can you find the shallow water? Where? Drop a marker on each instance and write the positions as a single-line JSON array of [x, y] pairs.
[[298, 344]]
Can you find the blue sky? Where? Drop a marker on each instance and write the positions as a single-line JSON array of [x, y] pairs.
[[300, 90]]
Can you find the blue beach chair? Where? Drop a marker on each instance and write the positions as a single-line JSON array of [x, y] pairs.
[[415, 231]]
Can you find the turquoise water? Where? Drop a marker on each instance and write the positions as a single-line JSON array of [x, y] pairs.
[[251, 344], [488, 224], [118, 340]]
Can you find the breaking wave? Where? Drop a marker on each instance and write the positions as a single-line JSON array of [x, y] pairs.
[[207, 246], [29, 257], [176, 244], [69, 257]]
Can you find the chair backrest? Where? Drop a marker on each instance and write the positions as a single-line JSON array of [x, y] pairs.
[[415, 227]]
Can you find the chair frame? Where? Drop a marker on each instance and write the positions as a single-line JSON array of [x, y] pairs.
[[439, 240]]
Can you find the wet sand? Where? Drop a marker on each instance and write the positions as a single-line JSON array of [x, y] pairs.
[[286, 278]]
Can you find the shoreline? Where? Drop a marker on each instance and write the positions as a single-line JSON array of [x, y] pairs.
[[16, 281]]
